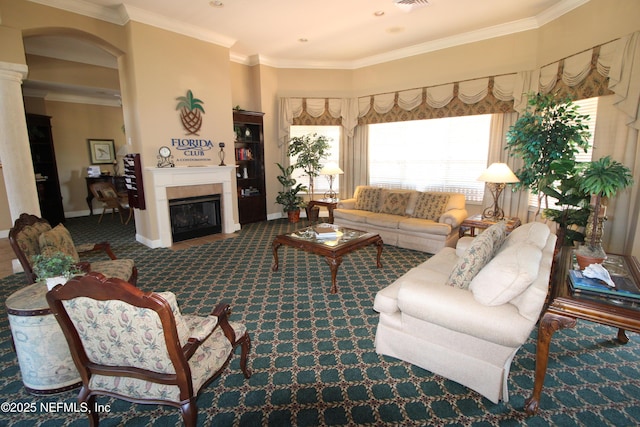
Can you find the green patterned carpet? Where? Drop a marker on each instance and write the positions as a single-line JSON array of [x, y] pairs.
[[313, 358]]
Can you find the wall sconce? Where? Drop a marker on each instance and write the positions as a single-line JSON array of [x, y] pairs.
[[331, 169], [497, 176]]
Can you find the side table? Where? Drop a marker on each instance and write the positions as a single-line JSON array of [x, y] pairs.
[[566, 307], [330, 204], [476, 221], [45, 362]]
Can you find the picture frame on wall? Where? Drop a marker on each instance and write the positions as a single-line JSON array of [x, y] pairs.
[[101, 151]]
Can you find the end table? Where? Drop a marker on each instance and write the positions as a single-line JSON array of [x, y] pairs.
[[476, 221], [330, 204]]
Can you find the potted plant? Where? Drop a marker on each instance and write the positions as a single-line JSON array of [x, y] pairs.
[[602, 179], [55, 269], [549, 131], [289, 197], [311, 149]]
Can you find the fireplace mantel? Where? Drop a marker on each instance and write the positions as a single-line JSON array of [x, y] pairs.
[[163, 178]]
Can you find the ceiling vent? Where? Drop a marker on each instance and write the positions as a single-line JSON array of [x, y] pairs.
[[410, 5]]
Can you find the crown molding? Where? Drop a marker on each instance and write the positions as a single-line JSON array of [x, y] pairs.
[[126, 13]]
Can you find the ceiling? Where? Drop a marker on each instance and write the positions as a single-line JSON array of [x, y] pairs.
[[335, 34]]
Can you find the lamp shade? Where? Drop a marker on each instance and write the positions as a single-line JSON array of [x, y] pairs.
[[331, 168], [498, 172]]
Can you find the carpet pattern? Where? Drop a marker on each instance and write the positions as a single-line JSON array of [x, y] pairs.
[[313, 356]]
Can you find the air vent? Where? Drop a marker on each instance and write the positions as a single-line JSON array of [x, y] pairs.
[[410, 5]]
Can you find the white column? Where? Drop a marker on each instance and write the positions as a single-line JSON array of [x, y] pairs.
[[15, 153]]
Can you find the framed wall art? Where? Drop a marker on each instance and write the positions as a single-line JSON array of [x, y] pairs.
[[101, 151]]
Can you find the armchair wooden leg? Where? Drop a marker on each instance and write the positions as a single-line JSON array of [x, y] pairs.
[[189, 411], [91, 403], [245, 343]]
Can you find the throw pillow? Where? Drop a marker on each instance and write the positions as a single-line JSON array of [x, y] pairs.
[[507, 275], [395, 203], [181, 325], [476, 257], [368, 199], [430, 205], [58, 239]]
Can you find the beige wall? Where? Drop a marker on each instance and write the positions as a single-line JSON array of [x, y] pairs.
[[160, 67], [72, 73]]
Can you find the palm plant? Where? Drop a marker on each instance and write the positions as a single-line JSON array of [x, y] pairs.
[[191, 111], [602, 178]]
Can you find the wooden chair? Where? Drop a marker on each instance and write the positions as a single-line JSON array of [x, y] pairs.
[[31, 235], [137, 346], [106, 193]]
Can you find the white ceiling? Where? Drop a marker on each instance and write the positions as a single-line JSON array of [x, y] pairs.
[[343, 34]]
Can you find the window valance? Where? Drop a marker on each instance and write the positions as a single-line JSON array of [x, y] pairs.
[[613, 67]]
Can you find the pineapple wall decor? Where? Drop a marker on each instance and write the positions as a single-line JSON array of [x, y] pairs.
[[191, 112], [191, 147]]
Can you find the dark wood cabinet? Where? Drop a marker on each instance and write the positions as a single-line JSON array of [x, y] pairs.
[[43, 157], [249, 156]]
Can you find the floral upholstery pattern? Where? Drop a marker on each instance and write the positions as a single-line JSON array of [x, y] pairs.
[[430, 205], [477, 255], [395, 203], [368, 199], [58, 239], [28, 238], [116, 333]]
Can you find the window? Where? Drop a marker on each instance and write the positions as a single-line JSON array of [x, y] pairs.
[[320, 183], [446, 154], [588, 107]]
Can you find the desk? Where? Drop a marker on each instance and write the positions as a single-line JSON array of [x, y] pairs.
[[45, 362], [330, 204], [117, 181], [566, 307], [476, 221]]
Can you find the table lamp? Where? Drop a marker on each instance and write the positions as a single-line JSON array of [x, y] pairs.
[[331, 169], [497, 176]]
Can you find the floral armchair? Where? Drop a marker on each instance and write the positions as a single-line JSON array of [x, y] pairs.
[[137, 346], [31, 235]]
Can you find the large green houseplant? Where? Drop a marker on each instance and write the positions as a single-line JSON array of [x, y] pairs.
[[602, 178], [311, 150], [289, 197], [547, 137]]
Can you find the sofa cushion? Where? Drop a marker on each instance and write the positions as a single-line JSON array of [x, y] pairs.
[[507, 275], [430, 205], [426, 226], [395, 203], [58, 239], [368, 198], [477, 256], [384, 220], [352, 215], [535, 233]]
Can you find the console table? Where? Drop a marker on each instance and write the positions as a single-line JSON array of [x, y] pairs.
[[566, 307], [43, 354]]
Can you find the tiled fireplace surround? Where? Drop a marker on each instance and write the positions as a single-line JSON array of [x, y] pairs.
[[179, 182]]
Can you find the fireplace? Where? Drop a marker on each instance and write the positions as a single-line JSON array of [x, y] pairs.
[[193, 217]]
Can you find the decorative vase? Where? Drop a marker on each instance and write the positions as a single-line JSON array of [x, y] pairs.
[[53, 281], [585, 261]]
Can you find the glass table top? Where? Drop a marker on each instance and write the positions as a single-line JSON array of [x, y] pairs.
[[328, 234]]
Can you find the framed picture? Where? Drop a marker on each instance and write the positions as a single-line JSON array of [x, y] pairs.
[[101, 151]]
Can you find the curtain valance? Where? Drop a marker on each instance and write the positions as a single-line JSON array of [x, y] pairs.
[[613, 67]]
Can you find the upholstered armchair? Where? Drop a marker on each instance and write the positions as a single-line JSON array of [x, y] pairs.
[[137, 346], [31, 235]]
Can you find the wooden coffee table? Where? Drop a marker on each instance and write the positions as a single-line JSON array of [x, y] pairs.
[[567, 306], [332, 249]]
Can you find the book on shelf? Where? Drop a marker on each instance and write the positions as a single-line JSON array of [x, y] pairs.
[[624, 289]]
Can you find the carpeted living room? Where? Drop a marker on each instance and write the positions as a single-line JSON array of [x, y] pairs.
[[320, 213], [313, 357]]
